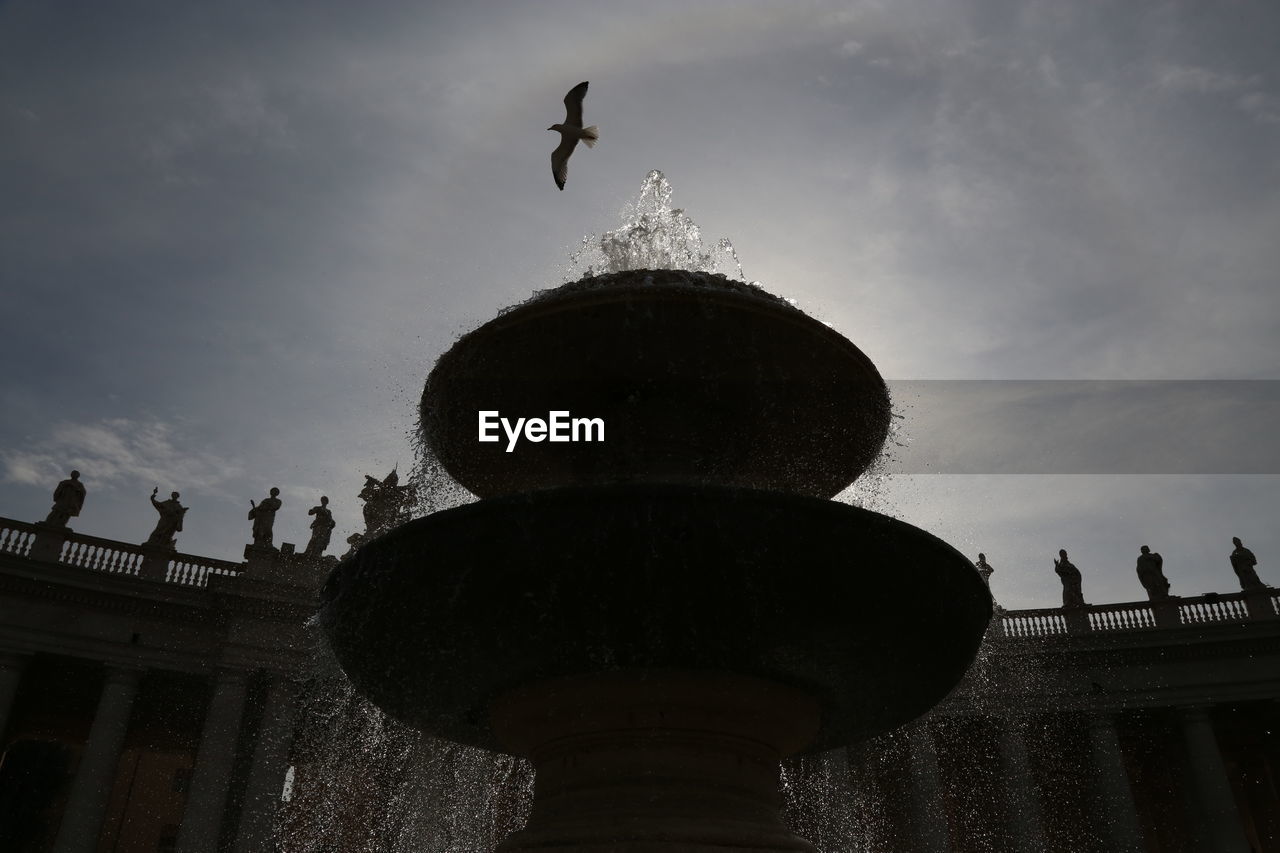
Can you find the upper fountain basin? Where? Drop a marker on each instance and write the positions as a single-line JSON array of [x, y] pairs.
[[696, 378]]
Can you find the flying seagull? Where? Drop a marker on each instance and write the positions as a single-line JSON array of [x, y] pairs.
[[570, 132]]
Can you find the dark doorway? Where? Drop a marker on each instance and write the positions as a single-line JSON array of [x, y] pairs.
[[33, 778]]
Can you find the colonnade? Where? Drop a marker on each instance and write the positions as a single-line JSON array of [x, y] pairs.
[[1215, 816], [86, 807]]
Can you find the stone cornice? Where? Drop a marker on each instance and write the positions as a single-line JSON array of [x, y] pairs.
[[101, 590], [225, 596]]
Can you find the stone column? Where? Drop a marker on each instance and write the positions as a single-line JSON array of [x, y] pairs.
[[207, 796], [1018, 788], [925, 797], [11, 667], [87, 803], [266, 775], [1115, 797], [1219, 823]]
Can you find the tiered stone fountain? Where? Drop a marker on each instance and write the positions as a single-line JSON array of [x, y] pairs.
[[657, 620]]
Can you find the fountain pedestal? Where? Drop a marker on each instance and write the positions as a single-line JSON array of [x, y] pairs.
[[656, 761]]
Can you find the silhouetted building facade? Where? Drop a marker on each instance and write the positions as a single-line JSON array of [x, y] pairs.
[[146, 695], [148, 701]]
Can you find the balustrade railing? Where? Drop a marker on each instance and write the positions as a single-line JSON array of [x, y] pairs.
[[1208, 609], [1213, 608], [1120, 617], [1032, 623], [190, 570], [101, 555], [112, 557], [16, 537]]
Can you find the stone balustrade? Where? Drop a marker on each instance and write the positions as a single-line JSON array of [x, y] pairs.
[[112, 557], [101, 555], [190, 570], [16, 537], [1210, 608], [1214, 608], [1124, 616], [1029, 623]]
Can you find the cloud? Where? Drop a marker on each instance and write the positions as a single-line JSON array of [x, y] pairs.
[[1263, 107], [1188, 78], [119, 453], [1249, 93], [236, 117]]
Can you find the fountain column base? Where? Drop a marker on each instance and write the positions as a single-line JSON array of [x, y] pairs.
[[656, 761]]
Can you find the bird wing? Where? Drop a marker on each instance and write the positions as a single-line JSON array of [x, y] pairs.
[[573, 104], [560, 159]]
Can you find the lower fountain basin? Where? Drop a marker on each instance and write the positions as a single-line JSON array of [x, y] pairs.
[[878, 620]]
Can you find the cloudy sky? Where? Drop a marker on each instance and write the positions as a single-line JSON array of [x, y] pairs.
[[237, 235]]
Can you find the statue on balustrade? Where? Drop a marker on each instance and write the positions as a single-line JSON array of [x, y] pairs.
[[321, 528], [1151, 574], [1072, 590], [984, 569], [68, 500], [386, 503], [171, 515], [1243, 562], [263, 516]]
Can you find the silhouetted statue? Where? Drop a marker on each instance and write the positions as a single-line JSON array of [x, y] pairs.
[[1243, 562], [984, 569], [385, 502], [1072, 592], [1151, 574], [263, 516], [171, 515], [321, 528], [68, 500], [354, 541]]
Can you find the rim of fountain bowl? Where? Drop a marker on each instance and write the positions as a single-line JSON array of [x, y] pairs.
[[858, 643], [460, 458], [671, 278]]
